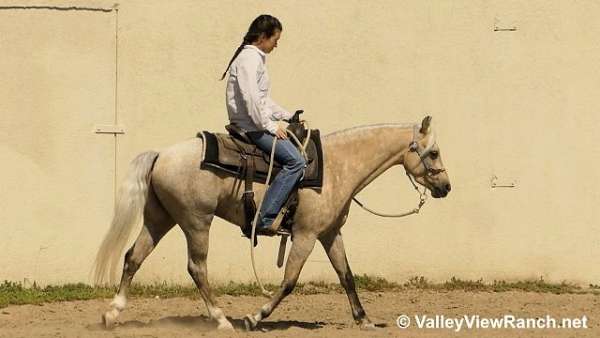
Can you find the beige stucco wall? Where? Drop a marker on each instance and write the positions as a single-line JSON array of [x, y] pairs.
[[521, 105]]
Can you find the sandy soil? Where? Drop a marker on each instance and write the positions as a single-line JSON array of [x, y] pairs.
[[303, 315]]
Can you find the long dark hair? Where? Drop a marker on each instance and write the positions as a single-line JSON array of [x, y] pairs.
[[266, 24]]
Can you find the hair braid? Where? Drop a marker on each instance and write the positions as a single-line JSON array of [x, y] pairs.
[[237, 52], [263, 24]]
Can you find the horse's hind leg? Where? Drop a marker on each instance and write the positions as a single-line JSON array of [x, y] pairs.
[[334, 247], [302, 246], [157, 223], [196, 233]]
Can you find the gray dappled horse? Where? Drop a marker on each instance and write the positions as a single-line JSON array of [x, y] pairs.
[[168, 188]]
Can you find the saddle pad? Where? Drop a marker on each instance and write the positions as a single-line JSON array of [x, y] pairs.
[[222, 152]]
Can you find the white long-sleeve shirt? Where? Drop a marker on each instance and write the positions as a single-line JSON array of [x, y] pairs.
[[248, 87]]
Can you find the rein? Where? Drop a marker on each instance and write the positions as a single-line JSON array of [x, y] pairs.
[[413, 147]]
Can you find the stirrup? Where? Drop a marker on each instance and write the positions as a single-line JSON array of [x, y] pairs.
[[283, 222], [267, 231], [275, 227]]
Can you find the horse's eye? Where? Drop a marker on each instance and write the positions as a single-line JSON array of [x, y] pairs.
[[434, 154]]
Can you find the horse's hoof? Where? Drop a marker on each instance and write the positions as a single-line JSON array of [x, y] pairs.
[[250, 323], [109, 320], [367, 326], [226, 326]]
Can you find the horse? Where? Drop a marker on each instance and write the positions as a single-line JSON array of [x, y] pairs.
[[168, 188]]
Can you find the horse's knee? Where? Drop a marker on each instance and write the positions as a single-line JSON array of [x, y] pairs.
[[287, 287], [348, 279]]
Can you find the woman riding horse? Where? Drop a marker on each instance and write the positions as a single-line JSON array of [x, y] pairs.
[[166, 188], [251, 109]]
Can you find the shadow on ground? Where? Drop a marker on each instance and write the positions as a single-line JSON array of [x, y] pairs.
[[204, 323]]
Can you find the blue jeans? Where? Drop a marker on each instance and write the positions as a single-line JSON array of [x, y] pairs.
[[293, 164]]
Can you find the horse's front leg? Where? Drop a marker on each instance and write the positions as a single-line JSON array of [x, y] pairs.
[[334, 247], [302, 246]]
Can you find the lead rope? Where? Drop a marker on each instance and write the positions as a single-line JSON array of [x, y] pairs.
[[422, 195], [264, 291], [422, 200]]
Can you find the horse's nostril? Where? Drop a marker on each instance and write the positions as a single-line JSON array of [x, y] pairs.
[[448, 187]]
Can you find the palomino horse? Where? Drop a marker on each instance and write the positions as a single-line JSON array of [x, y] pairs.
[[168, 188]]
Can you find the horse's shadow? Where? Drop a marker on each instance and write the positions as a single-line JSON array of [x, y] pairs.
[[279, 325], [204, 323]]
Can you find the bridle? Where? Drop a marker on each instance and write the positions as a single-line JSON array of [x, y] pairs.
[[430, 171], [414, 147]]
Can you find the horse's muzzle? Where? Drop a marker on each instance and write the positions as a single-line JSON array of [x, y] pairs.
[[439, 192]]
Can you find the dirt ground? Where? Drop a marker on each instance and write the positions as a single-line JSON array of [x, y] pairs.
[[324, 315]]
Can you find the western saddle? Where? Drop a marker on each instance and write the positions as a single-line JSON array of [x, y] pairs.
[[235, 154]]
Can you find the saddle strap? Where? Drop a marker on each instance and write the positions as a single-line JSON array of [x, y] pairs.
[[248, 196]]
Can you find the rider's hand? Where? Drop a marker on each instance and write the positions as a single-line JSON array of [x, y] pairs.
[[281, 133]]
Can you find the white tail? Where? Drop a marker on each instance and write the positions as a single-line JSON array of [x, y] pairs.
[[129, 210]]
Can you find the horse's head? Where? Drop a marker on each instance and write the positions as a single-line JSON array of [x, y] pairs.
[[423, 160]]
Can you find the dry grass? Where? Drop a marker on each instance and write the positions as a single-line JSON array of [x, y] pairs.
[[12, 293]]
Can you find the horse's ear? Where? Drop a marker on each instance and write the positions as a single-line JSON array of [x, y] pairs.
[[425, 125]]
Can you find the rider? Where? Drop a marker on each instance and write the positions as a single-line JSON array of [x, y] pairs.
[[251, 108]]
